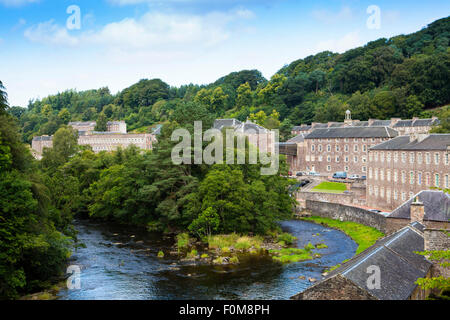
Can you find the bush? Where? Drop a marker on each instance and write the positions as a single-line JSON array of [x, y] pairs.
[[160, 254], [182, 241], [287, 238]]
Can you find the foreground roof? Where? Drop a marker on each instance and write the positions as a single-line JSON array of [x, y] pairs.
[[431, 142], [400, 267], [353, 132], [436, 205]]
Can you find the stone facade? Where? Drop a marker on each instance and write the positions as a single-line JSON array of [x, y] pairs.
[[406, 165], [88, 127], [110, 142], [343, 149]]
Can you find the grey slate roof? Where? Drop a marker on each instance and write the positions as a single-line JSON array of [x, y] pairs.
[[225, 123], [353, 132], [381, 123], [400, 267], [432, 142], [298, 138], [416, 123], [250, 127], [436, 205], [301, 128], [43, 138]]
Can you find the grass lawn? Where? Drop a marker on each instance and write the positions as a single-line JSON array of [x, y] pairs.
[[364, 236], [330, 187]]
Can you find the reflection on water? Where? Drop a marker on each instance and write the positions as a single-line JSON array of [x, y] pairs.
[[121, 263]]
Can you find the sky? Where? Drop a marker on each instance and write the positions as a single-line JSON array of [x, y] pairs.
[[46, 47]]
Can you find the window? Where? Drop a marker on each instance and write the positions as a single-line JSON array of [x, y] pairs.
[[419, 158], [436, 158], [364, 169], [337, 159], [403, 196], [395, 176], [411, 157], [320, 148], [404, 157], [370, 190], [428, 179], [382, 156], [370, 157], [419, 178], [320, 158], [364, 148], [388, 175], [346, 168], [363, 159], [381, 175], [411, 195], [328, 159], [355, 159], [376, 191], [395, 156], [388, 195], [395, 194], [427, 158], [436, 180], [337, 148], [346, 139], [346, 159], [328, 168], [388, 157], [376, 174], [382, 192], [328, 148], [446, 181], [411, 177], [403, 176], [346, 148], [355, 148], [370, 173], [447, 158], [376, 156]]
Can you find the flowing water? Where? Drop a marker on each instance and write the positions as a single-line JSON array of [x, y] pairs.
[[121, 263]]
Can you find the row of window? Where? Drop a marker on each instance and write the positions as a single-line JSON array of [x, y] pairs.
[[348, 139], [337, 159], [410, 157], [337, 148], [389, 194], [347, 169], [411, 177]]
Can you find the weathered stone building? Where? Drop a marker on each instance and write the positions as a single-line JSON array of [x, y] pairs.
[[403, 127], [402, 167], [343, 149], [295, 150], [87, 127]]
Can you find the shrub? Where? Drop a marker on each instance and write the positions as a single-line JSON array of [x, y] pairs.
[[234, 260], [309, 246], [287, 238], [321, 246], [182, 241], [160, 254]]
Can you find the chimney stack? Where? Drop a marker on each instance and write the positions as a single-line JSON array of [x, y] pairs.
[[417, 211]]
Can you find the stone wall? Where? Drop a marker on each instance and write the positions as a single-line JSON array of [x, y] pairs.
[[334, 288], [436, 239], [342, 212]]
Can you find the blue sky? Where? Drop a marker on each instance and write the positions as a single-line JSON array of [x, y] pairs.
[[181, 41]]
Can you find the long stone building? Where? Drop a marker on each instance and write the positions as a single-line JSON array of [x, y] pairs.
[[343, 149], [115, 137], [405, 165]]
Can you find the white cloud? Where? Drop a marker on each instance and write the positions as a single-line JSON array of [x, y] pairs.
[[50, 33], [349, 41], [16, 3], [149, 31], [329, 17]]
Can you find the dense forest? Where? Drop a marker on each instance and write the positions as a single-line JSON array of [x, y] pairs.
[[404, 76]]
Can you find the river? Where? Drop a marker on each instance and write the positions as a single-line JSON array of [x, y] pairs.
[[120, 263]]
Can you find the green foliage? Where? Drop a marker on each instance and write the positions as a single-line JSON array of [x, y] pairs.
[[182, 241], [364, 236], [331, 187], [32, 246], [160, 254], [290, 255], [286, 238]]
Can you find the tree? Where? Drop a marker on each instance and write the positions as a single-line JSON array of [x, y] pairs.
[[205, 224], [65, 145], [64, 116], [102, 123], [218, 100], [444, 117], [3, 98], [244, 96]]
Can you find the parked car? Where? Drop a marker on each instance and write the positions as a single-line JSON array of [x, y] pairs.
[[354, 177], [313, 173], [304, 183], [290, 173], [363, 177], [340, 175], [299, 174]]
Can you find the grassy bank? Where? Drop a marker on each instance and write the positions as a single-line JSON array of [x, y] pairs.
[[364, 236], [330, 187]]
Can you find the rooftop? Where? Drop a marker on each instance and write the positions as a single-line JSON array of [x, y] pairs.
[[394, 255], [431, 142], [353, 132], [436, 205]]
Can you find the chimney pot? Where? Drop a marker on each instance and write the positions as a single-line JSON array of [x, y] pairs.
[[417, 211]]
